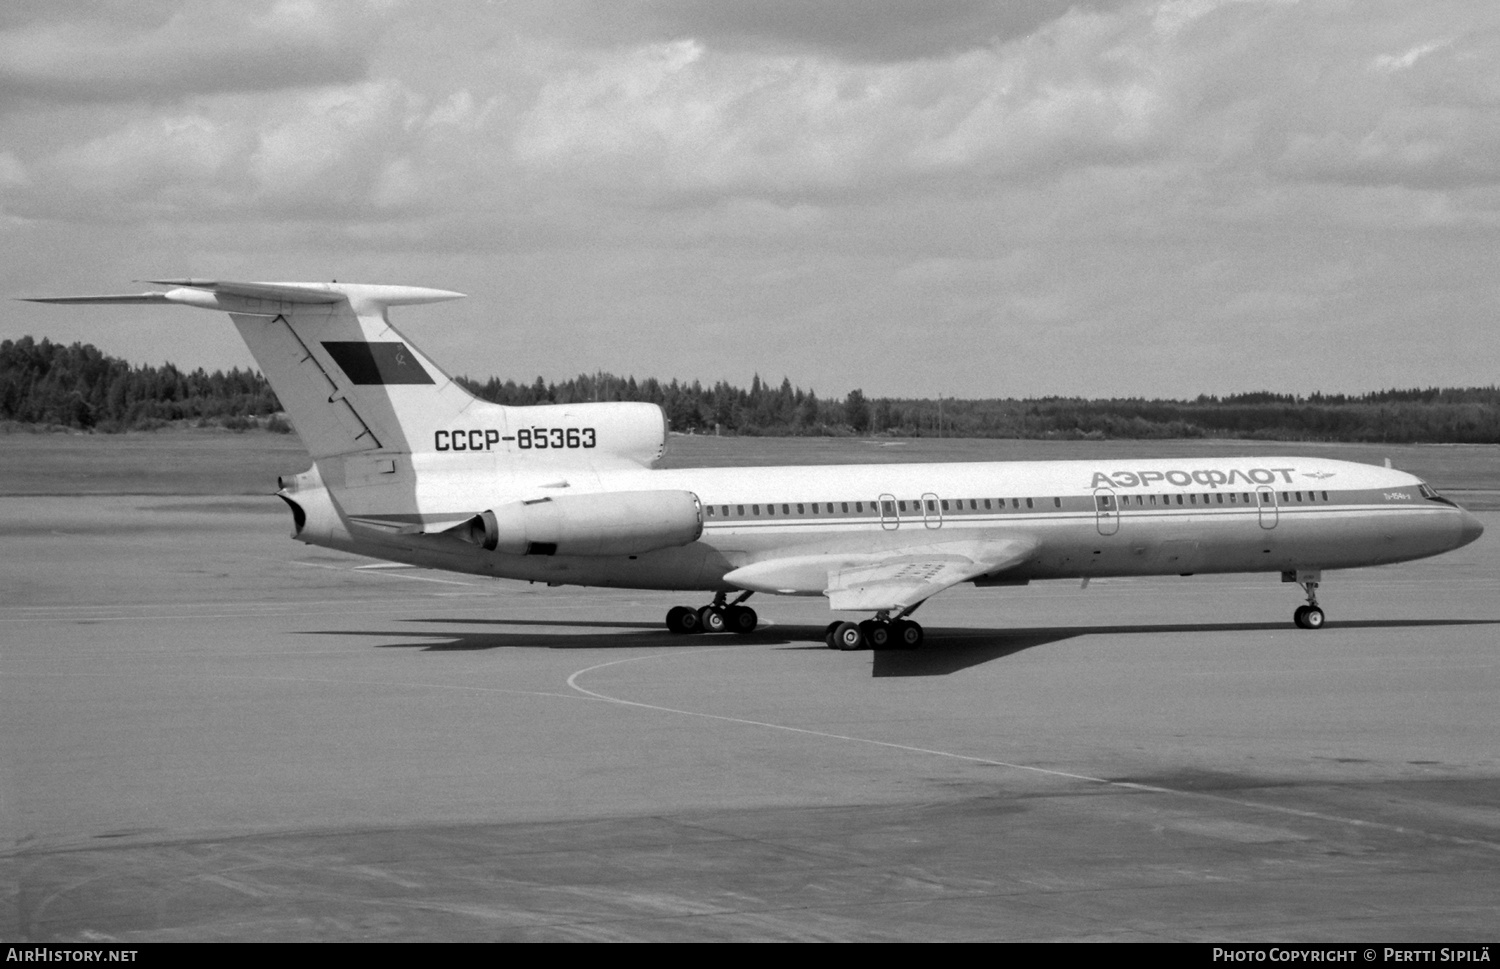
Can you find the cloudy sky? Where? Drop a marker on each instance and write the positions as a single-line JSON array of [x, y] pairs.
[[913, 197]]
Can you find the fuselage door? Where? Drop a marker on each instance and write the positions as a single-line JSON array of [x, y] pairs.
[[932, 511], [889, 520], [1106, 511], [1265, 496]]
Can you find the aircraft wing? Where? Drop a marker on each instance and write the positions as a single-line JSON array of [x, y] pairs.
[[893, 579]]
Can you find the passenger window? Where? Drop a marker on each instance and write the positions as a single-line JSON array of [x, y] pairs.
[[1325, 496], [986, 504], [1192, 499], [901, 505], [1015, 503], [755, 509], [1221, 499], [1029, 504], [1299, 496], [931, 505], [770, 509], [888, 509], [1179, 499], [1056, 502], [740, 510], [786, 509], [859, 507], [945, 504]]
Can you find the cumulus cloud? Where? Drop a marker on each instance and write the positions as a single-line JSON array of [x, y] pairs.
[[681, 116], [196, 48], [858, 30], [1289, 92], [1166, 167]]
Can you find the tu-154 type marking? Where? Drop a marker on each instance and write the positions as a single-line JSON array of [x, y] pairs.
[[410, 467]]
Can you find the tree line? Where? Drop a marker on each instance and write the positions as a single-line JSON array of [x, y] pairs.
[[78, 386]]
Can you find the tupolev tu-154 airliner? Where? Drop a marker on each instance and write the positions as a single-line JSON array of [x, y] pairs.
[[411, 468]]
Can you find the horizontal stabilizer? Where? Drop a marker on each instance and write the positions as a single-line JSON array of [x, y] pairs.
[[288, 292], [125, 298], [268, 299]]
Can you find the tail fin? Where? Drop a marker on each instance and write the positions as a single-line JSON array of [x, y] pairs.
[[360, 394], [350, 381]]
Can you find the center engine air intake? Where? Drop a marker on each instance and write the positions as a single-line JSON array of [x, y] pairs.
[[613, 523]]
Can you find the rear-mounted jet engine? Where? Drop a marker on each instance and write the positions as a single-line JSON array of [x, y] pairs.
[[616, 523]]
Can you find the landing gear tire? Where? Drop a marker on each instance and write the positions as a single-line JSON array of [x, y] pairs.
[[847, 635], [682, 620], [828, 632], [741, 619], [711, 620], [877, 634], [1308, 617], [906, 634]]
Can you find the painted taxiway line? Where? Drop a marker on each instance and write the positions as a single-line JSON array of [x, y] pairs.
[[572, 682]]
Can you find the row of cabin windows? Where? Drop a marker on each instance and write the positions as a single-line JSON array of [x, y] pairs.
[[1219, 498], [892, 508], [887, 508]]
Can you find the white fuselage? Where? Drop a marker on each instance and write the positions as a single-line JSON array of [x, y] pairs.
[[1085, 518]]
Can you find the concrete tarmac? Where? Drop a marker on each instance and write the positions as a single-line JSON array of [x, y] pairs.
[[212, 732]]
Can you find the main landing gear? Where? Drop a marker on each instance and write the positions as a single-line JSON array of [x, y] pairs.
[[1309, 616], [882, 632], [717, 617]]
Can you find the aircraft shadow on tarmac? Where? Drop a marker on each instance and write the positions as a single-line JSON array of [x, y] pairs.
[[946, 651]]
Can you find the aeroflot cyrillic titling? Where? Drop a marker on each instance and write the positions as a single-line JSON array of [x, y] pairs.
[[1211, 478]]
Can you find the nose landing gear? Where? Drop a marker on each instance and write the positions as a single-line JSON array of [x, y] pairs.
[[1309, 616], [717, 617]]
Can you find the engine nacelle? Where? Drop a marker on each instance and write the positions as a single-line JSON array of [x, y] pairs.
[[315, 520], [570, 432], [612, 523]]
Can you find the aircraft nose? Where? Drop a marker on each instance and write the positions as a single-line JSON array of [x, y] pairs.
[[1469, 528]]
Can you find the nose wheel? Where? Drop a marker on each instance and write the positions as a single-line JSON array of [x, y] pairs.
[[1309, 616], [716, 617]]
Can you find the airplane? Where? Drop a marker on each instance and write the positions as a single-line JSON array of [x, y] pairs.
[[410, 467]]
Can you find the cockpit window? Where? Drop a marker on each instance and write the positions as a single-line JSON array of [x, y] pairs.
[[1431, 495]]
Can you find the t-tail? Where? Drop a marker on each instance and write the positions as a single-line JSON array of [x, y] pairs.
[[396, 442]]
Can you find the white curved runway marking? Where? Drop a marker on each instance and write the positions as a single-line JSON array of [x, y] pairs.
[[970, 758]]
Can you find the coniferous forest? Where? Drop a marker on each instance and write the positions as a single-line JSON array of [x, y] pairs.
[[45, 384]]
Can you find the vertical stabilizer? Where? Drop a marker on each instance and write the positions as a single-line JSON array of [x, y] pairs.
[[351, 382], [377, 414]]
